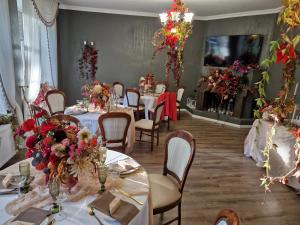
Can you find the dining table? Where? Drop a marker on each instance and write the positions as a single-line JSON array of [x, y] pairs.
[[148, 100], [89, 116], [135, 185]]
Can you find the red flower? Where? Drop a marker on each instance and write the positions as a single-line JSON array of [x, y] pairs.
[[41, 166], [28, 125], [31, 141], [18, 132], [39, 114], [53, 159], [46, 127], [93, 142], [285, 52], [28, 153], [47, 141]]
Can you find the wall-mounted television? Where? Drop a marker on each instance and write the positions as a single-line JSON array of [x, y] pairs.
[[222, 51]]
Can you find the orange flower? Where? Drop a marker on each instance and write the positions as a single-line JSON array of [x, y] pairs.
[[93, 141]]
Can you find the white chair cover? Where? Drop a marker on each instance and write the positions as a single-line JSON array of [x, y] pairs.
[[118, 90], [114, 128], [160, 88], [158, 113], [179, 152], [132, 99], [56, 102], [179, 94]]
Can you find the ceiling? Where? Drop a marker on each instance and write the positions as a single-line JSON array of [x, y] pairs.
[[203, 9]]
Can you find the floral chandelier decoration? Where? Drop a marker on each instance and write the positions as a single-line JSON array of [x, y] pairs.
[[277, 110], [176, 28], [88, 61]]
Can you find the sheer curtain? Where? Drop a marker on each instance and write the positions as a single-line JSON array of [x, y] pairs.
[[6, 59]]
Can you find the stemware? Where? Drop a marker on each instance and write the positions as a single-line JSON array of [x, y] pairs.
[[102, 175], [103, 154], [58, 197], [24, 184]]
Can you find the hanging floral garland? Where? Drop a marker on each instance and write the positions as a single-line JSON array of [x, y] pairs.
[[277, 110], [173, 36], [88, 62]]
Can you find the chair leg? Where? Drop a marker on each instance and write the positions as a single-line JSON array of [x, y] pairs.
[[161, 218], [157, 138], [141, 134], [179, 213], [178, 113], [137, 115], [168, 123], [152, 140]]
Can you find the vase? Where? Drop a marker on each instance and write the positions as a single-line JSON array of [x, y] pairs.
[[68, 181]]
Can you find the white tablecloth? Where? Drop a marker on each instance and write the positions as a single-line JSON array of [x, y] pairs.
[[7, 145], [148, 100], [90, 120], [282, 160], [77, 211]]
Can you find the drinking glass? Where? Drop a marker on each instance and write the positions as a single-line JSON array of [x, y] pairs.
[[58, 197], [102, 175], [24, 169], [24, 184], [103, 154]]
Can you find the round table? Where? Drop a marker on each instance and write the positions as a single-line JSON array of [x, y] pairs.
[[77, 212], [90, 120]]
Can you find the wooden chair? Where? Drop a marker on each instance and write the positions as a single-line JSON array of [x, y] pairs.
[[179, 95], [167, 188], [151, 126], [56, 101], [35, 110], [227, 217], [68, 119], [114, 128], [118, 89], [160, 88], [133, 101]]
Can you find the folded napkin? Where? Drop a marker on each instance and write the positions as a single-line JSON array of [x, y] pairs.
[[75, 110], [32, 216], [10, 185], [125, 166], [125, 212]]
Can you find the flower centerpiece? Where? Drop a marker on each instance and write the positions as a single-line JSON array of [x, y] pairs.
[[59, 149], [97, 92]]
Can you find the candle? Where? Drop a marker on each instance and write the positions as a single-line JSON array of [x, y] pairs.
[[296, 89]]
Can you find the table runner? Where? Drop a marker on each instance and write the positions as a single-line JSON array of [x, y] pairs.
[[136, 184]]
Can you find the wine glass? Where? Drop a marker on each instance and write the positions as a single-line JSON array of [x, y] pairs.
[[103, 154], [58, 197], [102, 175], [24, 184]]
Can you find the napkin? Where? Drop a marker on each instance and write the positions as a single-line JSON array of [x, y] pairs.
[[10, 186], [32, 216], [125, 212], [124, 166]]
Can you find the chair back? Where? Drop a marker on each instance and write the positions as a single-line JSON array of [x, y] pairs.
[[56, 101], [160, 88], [118, 89], [179, 94], [133, 98], [114, 126], [157, 113], [36, 111], [179, 156], [67, 119], [227, 217]]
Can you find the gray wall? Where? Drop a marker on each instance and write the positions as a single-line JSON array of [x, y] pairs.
[[125, 49]]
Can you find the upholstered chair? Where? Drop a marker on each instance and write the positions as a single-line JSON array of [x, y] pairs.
[[56, 101], [118, 89], [167, 188], [114, 128], [133, 101], [149, 126], [179, 96]]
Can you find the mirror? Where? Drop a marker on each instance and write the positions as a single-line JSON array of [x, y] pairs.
[[222, 221]]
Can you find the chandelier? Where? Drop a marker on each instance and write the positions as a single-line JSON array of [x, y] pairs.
[[175, 30]]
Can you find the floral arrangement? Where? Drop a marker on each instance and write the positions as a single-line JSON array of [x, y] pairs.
[[59, 149], [147, 82], [222, 82], [173, 36], [282, 51], [88, 61], [42, 93], [240, 68], [97, 92]]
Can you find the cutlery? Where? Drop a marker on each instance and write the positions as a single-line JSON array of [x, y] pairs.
[[129, 196], [92, 213]]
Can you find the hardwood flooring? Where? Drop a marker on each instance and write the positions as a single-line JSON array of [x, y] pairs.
[[221, 177]]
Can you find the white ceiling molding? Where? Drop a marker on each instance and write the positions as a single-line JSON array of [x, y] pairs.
[[150, 14]]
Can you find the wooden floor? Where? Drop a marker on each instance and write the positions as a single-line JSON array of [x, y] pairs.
[[221, 177]]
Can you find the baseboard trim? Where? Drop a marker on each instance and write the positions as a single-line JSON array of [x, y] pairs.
[[216, 121]]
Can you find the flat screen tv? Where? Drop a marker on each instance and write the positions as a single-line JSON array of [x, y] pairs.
[[222, 51]]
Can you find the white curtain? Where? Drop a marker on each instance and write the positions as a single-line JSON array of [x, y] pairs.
[[6, 57]]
